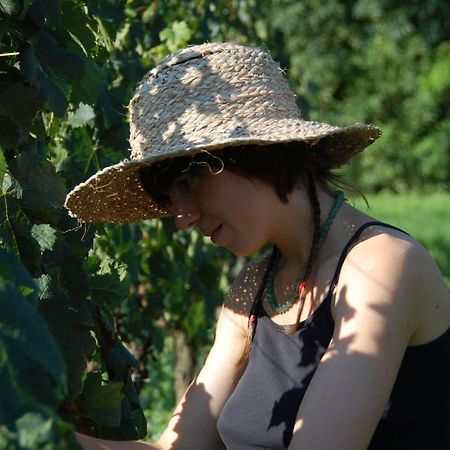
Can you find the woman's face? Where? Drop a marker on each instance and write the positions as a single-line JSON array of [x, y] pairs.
[[227, 207]]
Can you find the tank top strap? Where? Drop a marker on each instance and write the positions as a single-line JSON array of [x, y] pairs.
[[349, 245]]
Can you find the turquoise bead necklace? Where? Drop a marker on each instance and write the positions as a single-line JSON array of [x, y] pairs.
[[300, 285]]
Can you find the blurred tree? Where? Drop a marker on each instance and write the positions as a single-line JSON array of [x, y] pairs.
[[382, 62]]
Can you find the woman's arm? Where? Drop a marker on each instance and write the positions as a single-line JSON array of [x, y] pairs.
[[375, 319], [193, 424], [91, 443]]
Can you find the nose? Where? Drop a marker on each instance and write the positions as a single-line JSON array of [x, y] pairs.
[[186, 211], [186, 219]]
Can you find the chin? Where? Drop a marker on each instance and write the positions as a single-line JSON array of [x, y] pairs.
[[244, 251]]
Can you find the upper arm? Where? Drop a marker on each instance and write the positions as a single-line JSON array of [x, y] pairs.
[[194, 422], [374, 321]]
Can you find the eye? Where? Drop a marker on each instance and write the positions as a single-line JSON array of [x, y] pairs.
[[183, 183]]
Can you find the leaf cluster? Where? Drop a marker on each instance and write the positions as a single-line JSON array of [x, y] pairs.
[[53, 89], [380, 62]]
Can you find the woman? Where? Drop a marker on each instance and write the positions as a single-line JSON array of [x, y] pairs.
[[336, 338]]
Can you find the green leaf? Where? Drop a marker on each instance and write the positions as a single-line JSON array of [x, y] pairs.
[[42, 188], [67, 311], [45, 235], [100, 401], [33, 359], [51, 89], [13, 272], [119, 360], [40, 428], [176, 36], [103, 36], [70, 324], [18, 106], [34, 430], [87, 88], [28, 247], [83, 115], [110, 284], [63, 63], [13, 401], [45, 13], [54, 91], [43, 285], [78, 26], [11, 7]]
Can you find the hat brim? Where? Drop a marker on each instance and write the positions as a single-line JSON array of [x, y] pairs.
[[115, 195]]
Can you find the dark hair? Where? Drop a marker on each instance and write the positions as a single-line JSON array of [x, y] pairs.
[[279, 165]]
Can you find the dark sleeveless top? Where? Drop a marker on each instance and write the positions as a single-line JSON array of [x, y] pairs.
[[261, 412]]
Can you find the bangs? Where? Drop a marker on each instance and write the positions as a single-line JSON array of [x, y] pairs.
[[282, 166]]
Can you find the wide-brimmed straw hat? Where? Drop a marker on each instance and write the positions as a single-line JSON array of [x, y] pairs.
[[203, 98]]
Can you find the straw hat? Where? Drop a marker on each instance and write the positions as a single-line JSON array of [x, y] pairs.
[[206, 97]]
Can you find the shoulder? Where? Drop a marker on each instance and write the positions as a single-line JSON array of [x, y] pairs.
[[232, 325], [387, 260], [245, 287], [386, 276], [382, 255]]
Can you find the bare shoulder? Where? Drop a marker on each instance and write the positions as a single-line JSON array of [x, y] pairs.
[[245, 287], [232, 326], [390, 271]]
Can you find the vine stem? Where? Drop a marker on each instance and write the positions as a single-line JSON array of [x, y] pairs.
[[16, 247]]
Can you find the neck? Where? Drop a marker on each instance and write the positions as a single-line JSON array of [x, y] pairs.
[[295, 227]]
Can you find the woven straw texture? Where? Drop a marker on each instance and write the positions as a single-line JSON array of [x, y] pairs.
[[206, 97]]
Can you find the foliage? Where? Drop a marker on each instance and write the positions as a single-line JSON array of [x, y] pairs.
[[381, 62], [51, 82], [71, 294]]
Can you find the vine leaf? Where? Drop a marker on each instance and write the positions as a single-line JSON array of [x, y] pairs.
[[70, 324], [87, 88], [18, 106], [11, 7], [83, 115], [62, 62], [66, 310], [100, 401], [34, 429], [119, 361], [30, 348], [26, 346], [45, 235], [109, 284], [45, 13], [79, 27], [11, 271], [43, 190]]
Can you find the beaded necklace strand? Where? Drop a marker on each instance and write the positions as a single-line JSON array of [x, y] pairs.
[[299, 292]]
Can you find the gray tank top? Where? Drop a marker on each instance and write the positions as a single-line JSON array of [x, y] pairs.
[[261, 412]]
